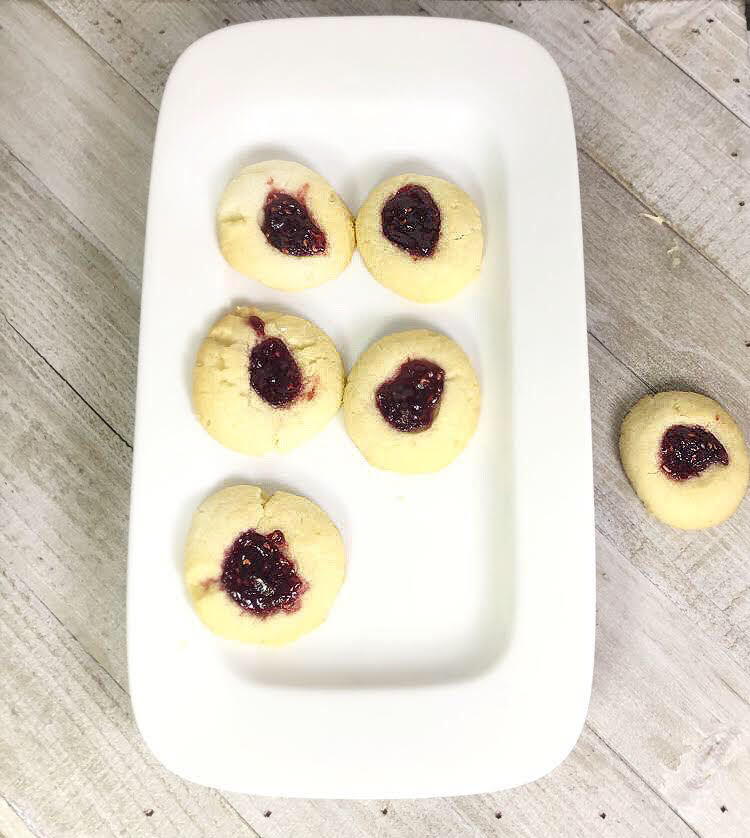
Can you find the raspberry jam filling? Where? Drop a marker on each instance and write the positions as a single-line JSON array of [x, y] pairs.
[[410, 219], [687, 450], [257, 325], [274, 374], [258, 575], [288, 227], [410, 400]]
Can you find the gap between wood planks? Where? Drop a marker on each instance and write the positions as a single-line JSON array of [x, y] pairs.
[[632, 767], [616, 11], [65, 380], [653, 215]]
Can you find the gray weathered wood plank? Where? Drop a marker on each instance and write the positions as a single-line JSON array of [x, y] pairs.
[[662, 670], [12, 824], [64, 496], [68, 297], [705, 38], [76, 126], [676, 322]]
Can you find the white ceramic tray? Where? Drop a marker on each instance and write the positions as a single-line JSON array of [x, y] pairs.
[[458, 655]]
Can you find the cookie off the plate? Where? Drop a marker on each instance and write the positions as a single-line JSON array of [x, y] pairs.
[[685, 457]]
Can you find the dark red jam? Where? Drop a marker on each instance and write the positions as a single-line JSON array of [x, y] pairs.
[[411, 220], [687, 450], [274, 374], [258, 575], [410, 400], [257, 325], [288, 227]]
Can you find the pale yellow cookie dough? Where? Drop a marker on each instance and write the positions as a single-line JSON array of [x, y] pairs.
[[313, 545], [703, 500], [457, 258], [455, 421], [231, 410], [244, 245]]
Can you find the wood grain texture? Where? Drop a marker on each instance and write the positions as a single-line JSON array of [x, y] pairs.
[[666, 749], [705, 38], [69, 298], [676, 322], [668, 696], [76, 126], [64, 497], [11, 823]]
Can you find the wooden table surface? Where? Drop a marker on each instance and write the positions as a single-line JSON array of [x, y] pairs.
[[661, 96]]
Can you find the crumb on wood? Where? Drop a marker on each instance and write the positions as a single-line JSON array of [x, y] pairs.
[[674, 252], [587, 21], [742, 203], [148, 812], [696, 31], [736, 81], [267, 813], [723, 809], [226, 21], [384, 810], [657, 218], [734, 154], [498, 815], [602, 815], [747, 343]]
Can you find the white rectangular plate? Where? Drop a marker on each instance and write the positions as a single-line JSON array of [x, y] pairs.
[[458, 656]]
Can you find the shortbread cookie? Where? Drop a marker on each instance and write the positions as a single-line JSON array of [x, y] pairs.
[[283, 224], [411, 402], [262, 569], [685, 457], [265, 381], [421, 237]]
